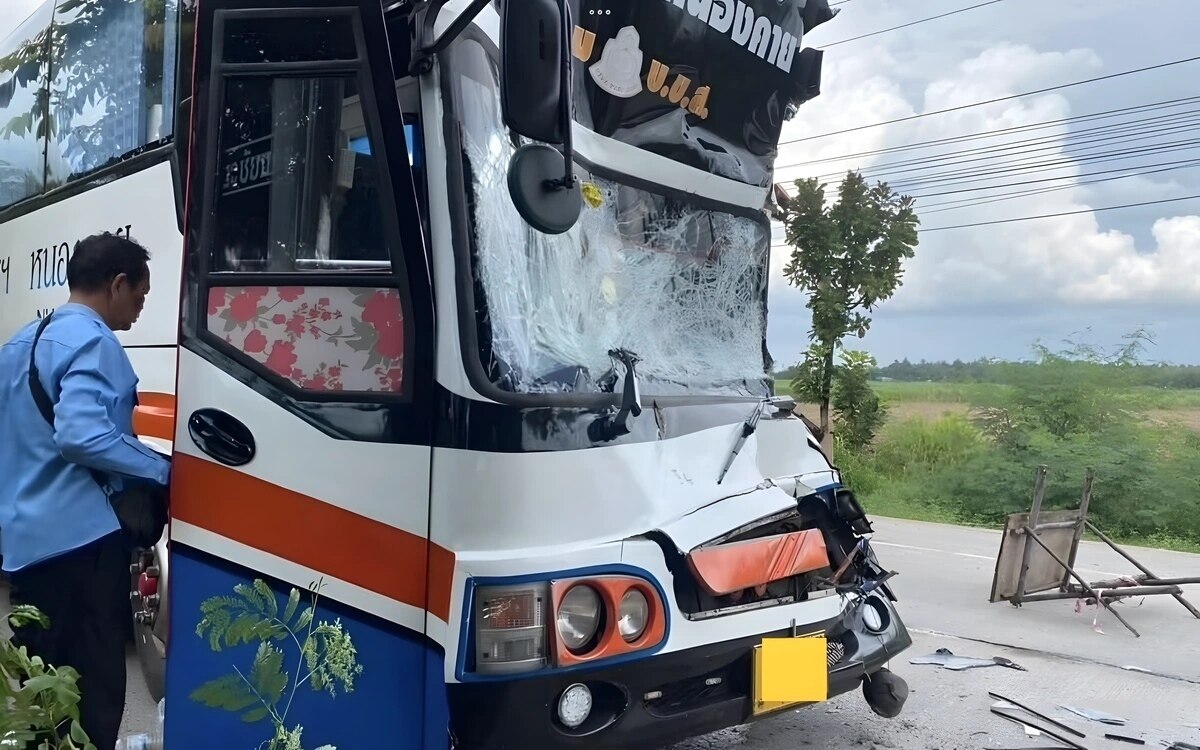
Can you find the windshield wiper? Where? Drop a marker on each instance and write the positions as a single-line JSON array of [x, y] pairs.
[[610, 427], [748, 428]]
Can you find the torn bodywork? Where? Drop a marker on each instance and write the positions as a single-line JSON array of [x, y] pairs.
[[816, 549]]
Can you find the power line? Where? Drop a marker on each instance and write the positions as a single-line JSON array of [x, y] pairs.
[[1127, 133], [906, 25], [962, 178], [983, 135], [973, 202], [1061, 213], [1024, 146], [945, 180], [998, 99], [1051, 179]]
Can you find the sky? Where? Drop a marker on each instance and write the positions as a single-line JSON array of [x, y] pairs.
[[993, 291], [996, 290]]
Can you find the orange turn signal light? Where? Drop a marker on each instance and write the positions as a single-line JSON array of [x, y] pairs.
[[614, 637]]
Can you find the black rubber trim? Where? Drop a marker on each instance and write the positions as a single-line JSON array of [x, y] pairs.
[[102, 176]]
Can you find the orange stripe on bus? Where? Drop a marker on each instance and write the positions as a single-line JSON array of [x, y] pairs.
[[304, 530], [154, 415]]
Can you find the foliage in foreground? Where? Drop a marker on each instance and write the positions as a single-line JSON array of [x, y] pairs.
[[38, 701]]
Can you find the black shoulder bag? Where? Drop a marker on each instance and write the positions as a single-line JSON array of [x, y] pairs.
[[141, 508]]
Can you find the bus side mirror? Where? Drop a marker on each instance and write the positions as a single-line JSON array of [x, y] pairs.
[[535, 100], [531, 68]]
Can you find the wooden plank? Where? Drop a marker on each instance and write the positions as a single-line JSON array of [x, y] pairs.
[[1035, 512]]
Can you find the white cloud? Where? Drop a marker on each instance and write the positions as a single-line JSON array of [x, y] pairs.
[[13, 13], [1070, 260], [1170, 273]]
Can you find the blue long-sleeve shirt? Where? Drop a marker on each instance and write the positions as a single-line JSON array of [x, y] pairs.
[[49, 501]]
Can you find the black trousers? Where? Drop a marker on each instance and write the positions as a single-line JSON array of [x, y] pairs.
[[85, 595]]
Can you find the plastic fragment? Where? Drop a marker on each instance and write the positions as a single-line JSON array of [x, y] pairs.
[[944, 657], [1094, 715]]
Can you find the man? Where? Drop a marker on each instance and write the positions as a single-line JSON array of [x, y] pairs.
[[63, 546]]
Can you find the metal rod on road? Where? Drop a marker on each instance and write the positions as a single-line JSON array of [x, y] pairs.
[[1056, 525], [1099, 598], [1018, 720], [1039, 493], [1073, 731], [1138, 565], [1170, 581], [1143, 580], [1085, 500], [1109, 594]]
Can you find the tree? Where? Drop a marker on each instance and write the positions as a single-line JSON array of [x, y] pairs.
[[858, 411], [848, 257], [75, 80], [860, 414]]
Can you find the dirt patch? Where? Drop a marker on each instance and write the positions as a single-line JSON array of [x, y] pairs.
[[904, 410], [1186, 418], [927, 410]]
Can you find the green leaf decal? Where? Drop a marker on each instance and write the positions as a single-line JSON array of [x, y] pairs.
[[230, 693], [328, 659], [267, 675], [293, 602]]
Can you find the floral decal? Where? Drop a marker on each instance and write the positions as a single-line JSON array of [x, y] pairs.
[[320, 338]]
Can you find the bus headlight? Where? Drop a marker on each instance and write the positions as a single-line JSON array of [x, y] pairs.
[[635, 613], [510, 628], [579, 617]]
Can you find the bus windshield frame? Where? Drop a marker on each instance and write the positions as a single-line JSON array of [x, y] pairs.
[[678, 279]]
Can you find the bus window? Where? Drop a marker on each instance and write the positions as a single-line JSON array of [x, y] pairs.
[[23, 116], [298, 198], [114, 79], [285, 40], [298, 185]]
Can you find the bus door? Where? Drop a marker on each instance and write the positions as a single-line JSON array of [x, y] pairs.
[[301, 577]]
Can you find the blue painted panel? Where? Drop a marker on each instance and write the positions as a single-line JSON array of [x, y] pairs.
[[388, 704]]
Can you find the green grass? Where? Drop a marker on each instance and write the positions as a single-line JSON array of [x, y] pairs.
[[944, 470], [896, 392], [1138, 397]]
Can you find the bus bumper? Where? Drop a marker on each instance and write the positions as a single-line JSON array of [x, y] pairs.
[[522, 712]]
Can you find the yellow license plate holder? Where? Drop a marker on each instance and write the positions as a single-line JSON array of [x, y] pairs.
[[789, 672]]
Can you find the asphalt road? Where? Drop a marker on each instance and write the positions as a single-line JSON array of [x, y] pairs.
[[944, 582], [943, 586]]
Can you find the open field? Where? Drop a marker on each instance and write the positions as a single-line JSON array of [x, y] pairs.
[[934, 460], [1155, 406]]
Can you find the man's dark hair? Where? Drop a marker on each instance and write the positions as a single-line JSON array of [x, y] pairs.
[[99, 259]]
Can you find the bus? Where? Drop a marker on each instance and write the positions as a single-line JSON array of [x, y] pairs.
[[457, 343]]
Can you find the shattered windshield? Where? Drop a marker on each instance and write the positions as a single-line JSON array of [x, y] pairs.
[[680, 286]]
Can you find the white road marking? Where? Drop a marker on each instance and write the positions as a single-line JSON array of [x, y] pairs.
[[930, 549], [983, 557]]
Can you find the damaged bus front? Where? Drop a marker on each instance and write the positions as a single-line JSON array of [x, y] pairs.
[[473, 344], [662, 524]]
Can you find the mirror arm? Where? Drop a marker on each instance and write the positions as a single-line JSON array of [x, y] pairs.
[[566, 87], [424, 20]]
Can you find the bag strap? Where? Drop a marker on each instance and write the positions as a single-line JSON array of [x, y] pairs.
[[40, 397], [44, 403]]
